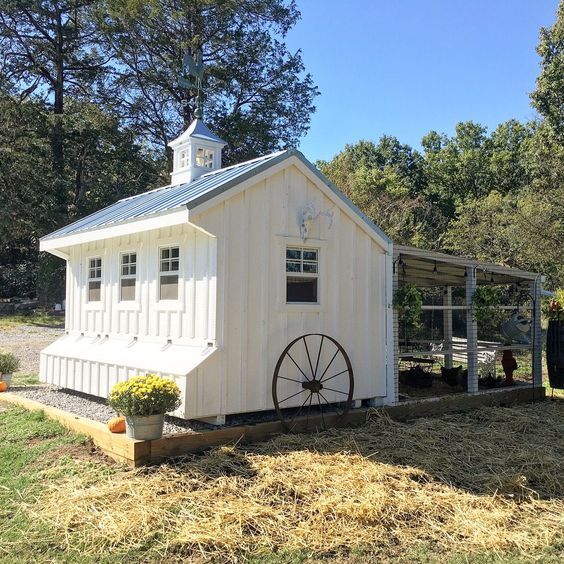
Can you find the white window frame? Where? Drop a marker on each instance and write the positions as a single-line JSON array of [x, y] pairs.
[[123, 276], [173, 302], [184, 158], [301, 274], [205, 157], [320, 245], [98, 304]]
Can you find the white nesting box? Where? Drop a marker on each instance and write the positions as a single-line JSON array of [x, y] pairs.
[[191, 281]]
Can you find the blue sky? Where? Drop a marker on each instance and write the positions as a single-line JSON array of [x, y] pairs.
[[404, 67]]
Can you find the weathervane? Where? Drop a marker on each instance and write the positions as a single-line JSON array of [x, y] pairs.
[[191, 77]]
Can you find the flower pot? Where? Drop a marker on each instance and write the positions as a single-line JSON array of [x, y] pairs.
[[6, 378], [144, 427]]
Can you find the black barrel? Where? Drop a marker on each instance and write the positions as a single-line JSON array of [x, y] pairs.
[[555, 353]]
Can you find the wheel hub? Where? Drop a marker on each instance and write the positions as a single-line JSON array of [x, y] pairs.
[[314, 386]]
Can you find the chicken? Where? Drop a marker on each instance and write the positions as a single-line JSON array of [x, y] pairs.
[[509, 366]]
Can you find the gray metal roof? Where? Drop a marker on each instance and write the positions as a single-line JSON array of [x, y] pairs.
[[193, 194]]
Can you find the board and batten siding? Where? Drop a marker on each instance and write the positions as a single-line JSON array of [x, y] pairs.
[[191, 319], [232, 285], [254, 322]]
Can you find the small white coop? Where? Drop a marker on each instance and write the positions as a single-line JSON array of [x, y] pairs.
[[210, 279]]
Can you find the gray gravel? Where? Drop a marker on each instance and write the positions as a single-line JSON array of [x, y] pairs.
[[93, 407], [26, 342]]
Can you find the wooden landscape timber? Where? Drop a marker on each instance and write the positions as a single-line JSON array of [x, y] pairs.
[[139, 453]]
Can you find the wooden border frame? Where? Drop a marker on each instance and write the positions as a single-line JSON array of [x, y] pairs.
[[139, 453]]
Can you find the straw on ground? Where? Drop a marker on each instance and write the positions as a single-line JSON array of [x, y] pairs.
[[489, 480]]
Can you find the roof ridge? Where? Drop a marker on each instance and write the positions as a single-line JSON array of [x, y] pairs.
[[207, 174]]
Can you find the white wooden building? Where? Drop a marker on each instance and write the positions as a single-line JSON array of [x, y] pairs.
[[208, 279]]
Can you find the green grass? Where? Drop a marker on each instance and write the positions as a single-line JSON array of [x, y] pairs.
[[33, 451], [23, 379], [39, 318]]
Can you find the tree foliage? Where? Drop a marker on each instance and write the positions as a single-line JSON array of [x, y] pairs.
[[548, 98], [257, 96]]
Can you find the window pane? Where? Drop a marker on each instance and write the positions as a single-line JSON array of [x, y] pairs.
[[301, 290], [310, 267], [174, 252], [94, 291], [165, 253], [98, 273], [99, 262], [124, 270], [165, 266], [169, 287], [293, 266], [92, 263], [127, 289], [133, 269], [92, 273], [310, 255], [133, 257], [174, 265], [295, 254]]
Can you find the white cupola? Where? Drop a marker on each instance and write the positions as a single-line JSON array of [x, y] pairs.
[[196, 152]]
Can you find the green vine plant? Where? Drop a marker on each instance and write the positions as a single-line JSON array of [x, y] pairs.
[[485, 301], [409, 304]]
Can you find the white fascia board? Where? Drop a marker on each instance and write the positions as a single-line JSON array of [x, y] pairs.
[[177, 216]]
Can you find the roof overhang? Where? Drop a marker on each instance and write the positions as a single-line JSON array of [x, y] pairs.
[[431, 268], [168, 218]]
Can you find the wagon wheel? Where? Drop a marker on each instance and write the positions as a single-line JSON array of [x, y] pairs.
[[313, 377]]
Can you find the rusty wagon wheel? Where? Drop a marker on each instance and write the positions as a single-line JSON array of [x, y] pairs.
[[314, 379]]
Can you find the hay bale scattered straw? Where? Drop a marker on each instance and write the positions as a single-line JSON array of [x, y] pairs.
[[486, 480]]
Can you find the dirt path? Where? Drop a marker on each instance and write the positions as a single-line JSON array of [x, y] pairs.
[[26, 342]]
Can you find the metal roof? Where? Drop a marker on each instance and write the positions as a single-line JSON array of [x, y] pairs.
[[431, 268], [169, 197], [195, 193]]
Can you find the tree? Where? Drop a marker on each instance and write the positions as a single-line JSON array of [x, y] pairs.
[[48, 48], [548, 98], [257, 96], [523, 230], [102, 164], [383, 180]]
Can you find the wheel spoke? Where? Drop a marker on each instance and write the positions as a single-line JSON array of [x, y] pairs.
[[309, 358], [309, 408], [290, 379], [292, 396], [299, 410], [335, 375], [333, 390], [318, 356], [330, 363], [321, 409], [332, 405], [297, 366]]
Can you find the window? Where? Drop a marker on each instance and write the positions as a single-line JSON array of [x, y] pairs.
[[168, 273], [301, 275], [128, 277], [184, 159], [204, 157], [95, 279]]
